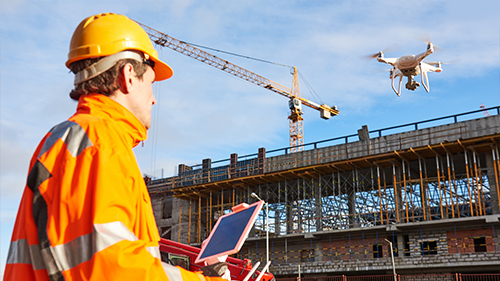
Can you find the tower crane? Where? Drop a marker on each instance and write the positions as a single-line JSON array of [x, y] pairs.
[[295, 100]]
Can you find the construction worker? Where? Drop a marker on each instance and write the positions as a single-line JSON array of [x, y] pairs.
[[86, 213]]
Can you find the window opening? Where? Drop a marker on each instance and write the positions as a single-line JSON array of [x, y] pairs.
[[406, 248], [304, 256], [378, 253], [428, 248], [479, 244]]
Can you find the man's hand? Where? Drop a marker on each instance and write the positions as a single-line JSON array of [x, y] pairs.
[[214, 270]]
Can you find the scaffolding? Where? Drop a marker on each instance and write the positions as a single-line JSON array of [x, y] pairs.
[[430, 191], [445, 181]]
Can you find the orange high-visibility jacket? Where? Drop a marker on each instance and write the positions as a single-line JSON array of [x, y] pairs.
[[86, 213]]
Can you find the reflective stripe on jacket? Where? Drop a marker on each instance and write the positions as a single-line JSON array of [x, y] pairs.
[[85, 213]]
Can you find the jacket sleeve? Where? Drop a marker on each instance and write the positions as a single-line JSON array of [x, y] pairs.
[[103, 228]]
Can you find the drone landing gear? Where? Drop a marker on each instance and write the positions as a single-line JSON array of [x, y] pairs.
[[412, 84]]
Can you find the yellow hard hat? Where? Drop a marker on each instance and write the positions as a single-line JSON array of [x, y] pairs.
[[108, 34]]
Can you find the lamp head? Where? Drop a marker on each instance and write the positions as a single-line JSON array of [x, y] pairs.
[[255, 196]]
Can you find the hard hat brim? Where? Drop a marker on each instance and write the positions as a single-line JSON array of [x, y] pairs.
[[162, 70]]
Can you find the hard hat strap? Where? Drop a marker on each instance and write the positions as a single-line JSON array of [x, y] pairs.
[[104, 64]]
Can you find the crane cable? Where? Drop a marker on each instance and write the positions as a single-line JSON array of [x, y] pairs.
[[310, 88], [157, 110], [261, 60], [237, 55], [155, 124]]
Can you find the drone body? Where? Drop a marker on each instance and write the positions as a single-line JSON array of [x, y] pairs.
[[411, 66]]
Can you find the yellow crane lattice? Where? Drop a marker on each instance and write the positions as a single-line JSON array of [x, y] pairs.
[[293, 94]]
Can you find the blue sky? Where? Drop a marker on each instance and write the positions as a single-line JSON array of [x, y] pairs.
[[206, 113]]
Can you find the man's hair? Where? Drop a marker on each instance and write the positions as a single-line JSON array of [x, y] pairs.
[[105, 83]]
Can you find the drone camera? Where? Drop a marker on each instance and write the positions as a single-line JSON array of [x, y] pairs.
[[412, 85]]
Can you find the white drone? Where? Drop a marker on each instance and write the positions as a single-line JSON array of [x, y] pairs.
[[411, 66]]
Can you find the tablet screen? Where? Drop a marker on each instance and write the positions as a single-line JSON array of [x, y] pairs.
[[230, 232]]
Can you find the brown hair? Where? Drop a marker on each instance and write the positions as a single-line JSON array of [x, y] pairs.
[[105, 83]]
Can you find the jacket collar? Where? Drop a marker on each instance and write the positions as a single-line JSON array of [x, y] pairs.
[[104, 107]]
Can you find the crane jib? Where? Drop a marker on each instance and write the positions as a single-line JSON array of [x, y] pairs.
[[296, 133]]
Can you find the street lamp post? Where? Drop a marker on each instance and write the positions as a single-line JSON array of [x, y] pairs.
[[392, 257], [267, 226]]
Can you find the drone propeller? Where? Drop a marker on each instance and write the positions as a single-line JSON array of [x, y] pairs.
[[391, 48], [437, 48], [379, 70], [436, 63], [374, 56], [426, 38]]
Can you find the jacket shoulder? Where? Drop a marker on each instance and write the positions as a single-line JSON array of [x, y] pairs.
[[98, 129]]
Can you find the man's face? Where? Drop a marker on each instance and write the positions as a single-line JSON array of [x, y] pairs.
[[144, 98]]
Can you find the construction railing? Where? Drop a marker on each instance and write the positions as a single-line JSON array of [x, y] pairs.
[[430, 277], [222, 170], [367, 250]]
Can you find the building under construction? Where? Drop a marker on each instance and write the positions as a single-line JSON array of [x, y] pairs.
[[426, 192]]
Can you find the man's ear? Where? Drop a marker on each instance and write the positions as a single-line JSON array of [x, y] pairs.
[[127, 81]]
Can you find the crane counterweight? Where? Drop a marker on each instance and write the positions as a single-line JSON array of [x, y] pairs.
[[324, 113]]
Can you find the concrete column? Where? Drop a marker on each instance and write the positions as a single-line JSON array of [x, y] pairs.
[[425, 186], [396, 178], [298, 216], [352, 209], [364, 138], [183, 168], [492, 180], [318, 251], [157, 211], [318, 205], [261, 160], [178, 206], [206, 166], [288, 212], [289, 218], [496, 237], [232, 165], [277, 222], [400, 245]]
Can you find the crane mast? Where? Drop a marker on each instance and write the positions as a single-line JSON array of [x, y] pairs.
[[295, 100], [295, 119]]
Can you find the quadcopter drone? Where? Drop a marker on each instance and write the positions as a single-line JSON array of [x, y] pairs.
[[411, 66]]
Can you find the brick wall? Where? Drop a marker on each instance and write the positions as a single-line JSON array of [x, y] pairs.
[[462, 241]]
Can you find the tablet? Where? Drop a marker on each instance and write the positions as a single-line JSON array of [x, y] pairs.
[[230, 231]]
